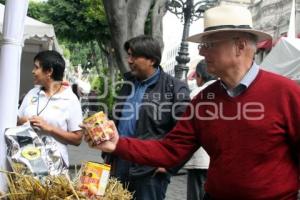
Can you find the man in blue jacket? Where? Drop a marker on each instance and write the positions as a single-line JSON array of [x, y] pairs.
[[146, 108]]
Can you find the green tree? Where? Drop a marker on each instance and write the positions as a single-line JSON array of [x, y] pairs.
[[36, 10], [109, 22], [80, 25], [100, 85], [78, 20]]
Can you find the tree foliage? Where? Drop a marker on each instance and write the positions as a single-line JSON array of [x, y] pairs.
[[108, 22], [100, 85], [74, 20], [79, 25]]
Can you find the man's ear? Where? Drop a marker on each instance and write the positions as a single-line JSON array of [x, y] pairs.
[[152, 62], [240, 46]]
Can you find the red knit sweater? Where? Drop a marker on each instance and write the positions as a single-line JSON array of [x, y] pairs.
[[253, 140]]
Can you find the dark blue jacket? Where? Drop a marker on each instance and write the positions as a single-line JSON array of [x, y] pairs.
[[156, 113]]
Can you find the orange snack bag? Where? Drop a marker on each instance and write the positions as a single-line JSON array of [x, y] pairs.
[[99, 127]]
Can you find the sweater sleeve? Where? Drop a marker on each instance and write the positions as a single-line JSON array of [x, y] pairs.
[[177, 146]]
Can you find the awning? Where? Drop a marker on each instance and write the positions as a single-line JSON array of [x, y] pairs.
[[33, 28], [268, 44], [284, 58]]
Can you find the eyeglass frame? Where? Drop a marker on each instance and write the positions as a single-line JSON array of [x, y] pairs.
[[211, 44]]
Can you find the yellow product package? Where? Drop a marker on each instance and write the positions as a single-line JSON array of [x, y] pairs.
[[93, 179]]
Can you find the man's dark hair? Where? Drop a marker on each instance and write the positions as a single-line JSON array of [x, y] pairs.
[[51, 60], [201, 70], [144, 46]]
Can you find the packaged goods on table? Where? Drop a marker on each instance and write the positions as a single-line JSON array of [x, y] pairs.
[[28, 154], [93, 179], [24, 187]]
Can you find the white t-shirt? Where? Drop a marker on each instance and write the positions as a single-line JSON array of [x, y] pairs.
[[63, 111]]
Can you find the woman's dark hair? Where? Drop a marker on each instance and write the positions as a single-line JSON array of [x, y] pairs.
[[51, 60], [75, 89], [144, 46]]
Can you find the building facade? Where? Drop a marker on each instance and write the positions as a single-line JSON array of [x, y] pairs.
[[273, 16]]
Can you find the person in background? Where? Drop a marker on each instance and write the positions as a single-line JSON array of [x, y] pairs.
[[197, 166], [247, 121], [143, 109], [93, 97], [51, 107], [75, 90], [203, 78]]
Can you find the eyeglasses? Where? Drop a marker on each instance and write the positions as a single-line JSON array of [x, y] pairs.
[[212, 44]]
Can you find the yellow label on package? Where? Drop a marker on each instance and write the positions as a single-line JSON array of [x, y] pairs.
[[94, 178], [96, 118]]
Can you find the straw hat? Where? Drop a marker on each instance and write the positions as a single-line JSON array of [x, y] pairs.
[[228, 18]]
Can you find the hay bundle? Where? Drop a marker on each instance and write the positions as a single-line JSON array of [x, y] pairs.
[[24, 187], [115, 191]]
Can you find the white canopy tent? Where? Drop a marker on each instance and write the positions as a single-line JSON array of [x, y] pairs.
[[284, 58], [37, 36]]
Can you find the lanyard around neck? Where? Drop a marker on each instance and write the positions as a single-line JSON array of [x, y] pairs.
[[38, 101]]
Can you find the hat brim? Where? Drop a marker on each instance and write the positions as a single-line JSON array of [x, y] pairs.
[[261, 36]]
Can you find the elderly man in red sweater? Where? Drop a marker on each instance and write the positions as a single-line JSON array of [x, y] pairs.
[[248, 121]]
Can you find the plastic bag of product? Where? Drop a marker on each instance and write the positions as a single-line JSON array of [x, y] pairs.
[[28, 154]]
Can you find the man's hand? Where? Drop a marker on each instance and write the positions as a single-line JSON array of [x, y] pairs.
[[107, 146], [159, 170]]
